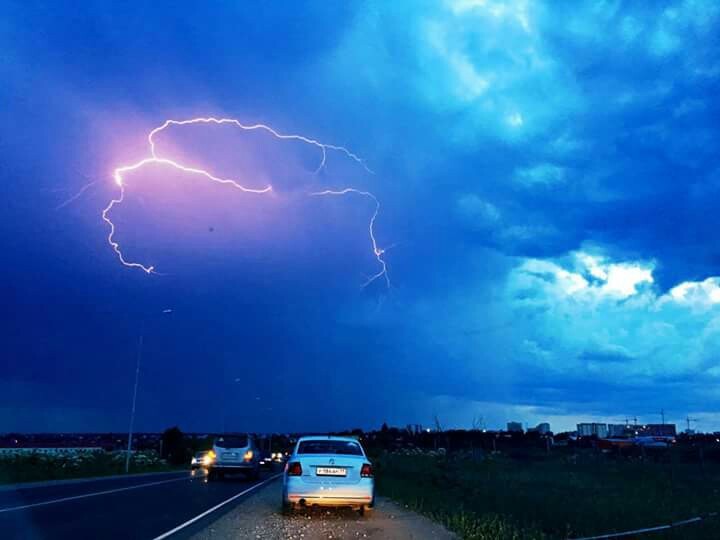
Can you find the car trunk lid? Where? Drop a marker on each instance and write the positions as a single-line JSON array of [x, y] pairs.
[[331, 469]]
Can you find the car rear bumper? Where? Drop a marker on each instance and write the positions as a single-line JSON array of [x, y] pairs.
[[312, 500], [299, 492], [231, 467]]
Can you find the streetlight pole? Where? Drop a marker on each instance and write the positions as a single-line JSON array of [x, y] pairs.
[[134, 401], [135, 392]]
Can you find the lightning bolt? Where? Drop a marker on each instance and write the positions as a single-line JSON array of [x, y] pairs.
[[120, 173], [77, 195], [119, 180], [377, 251], [255, 127]]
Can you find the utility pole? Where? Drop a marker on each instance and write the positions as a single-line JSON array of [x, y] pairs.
[[662, 415], [135, 391], [134, 401], [223, 392]]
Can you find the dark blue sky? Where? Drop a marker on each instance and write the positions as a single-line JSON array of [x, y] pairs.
[[548, 175]]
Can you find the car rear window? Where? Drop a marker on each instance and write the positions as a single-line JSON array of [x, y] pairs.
[[236, 441], [345, 448]]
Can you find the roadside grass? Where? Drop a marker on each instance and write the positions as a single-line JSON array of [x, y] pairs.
[[552, 497], [39, 467]]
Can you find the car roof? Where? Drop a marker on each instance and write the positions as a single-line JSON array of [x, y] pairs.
[[327, 438]]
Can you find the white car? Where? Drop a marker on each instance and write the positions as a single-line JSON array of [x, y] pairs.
[[328, 471], [233, 454]]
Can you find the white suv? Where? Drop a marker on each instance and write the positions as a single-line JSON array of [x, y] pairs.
[[233, 454]]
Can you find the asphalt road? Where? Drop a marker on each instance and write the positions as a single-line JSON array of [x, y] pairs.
[[142, 507]]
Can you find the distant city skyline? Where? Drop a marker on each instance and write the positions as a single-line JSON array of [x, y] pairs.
[[569, 425]]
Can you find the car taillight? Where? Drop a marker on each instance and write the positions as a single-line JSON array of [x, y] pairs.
[[366, 471], [294, 469]]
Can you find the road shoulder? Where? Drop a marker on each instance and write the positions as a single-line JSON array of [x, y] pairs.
[[259, 517]]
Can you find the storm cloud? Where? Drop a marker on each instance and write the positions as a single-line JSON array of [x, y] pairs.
[[548, 177]]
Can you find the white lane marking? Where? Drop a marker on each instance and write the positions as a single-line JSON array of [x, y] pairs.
[[211, 510], [69, 481], [94, 494]]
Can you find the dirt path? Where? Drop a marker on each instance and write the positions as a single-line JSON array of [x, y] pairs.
[[259, 517]]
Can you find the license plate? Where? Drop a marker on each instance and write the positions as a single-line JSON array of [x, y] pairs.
[[331, 471]]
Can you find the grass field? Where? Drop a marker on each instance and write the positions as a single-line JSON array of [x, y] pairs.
[[37, 467], [500, 498]]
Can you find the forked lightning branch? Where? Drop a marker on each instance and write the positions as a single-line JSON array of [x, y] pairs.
[[121, 173]]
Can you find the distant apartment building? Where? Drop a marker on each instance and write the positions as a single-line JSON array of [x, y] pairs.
[[515, 427], [55, 442], [64, 451], [642, 430], [543, 428], [588, 429], [656, 430]]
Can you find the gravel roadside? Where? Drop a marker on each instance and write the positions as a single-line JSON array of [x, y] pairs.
[[259, 517]]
